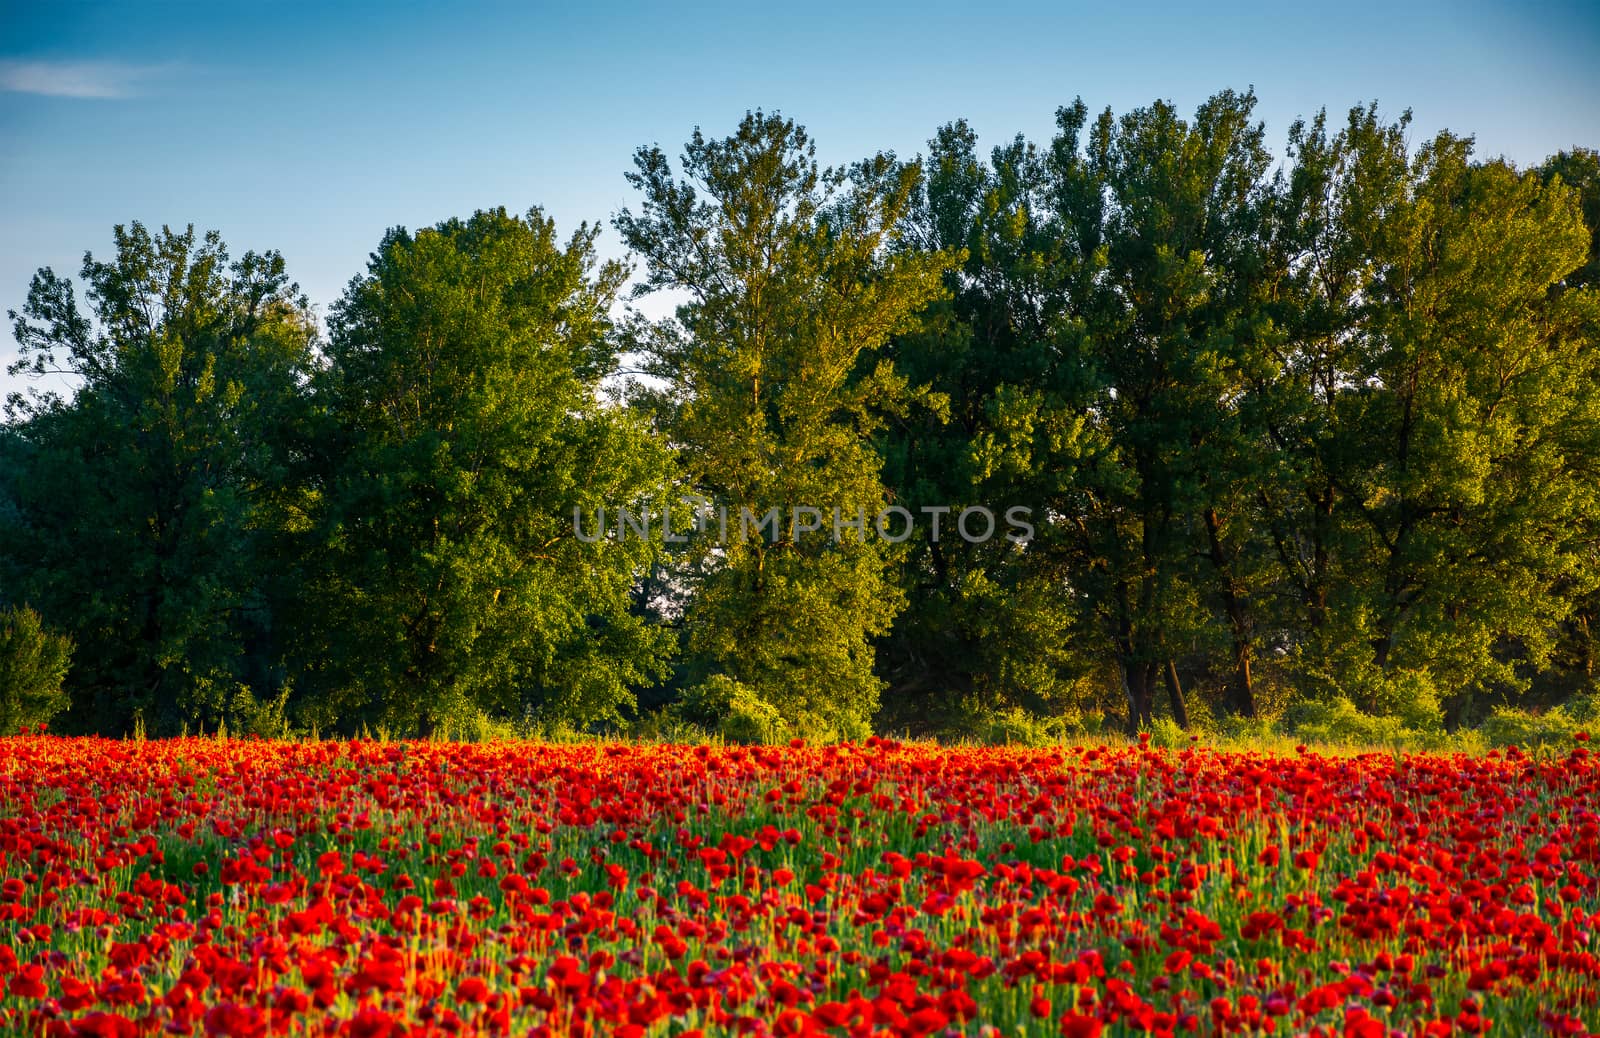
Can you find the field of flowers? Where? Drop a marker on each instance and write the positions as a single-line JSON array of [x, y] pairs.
[[376, 889]]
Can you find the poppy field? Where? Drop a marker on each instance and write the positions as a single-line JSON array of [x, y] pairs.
[[377, 889]]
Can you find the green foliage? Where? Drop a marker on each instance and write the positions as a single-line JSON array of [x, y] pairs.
[[736, 712], [1319, 433], [1014, 726], [1246, 730], [1509, 726], [794, 278], [140, 516], [984, 621], [254, 715], [1166, 733], [1098, 344], [1168, 221], [1439, 534], [667, 726], [480, 727], [1339, 412], [463, 428], [1579, 171], [33, 665], [1340, 721]]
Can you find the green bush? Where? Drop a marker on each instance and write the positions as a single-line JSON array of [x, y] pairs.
[[33, 666], [1164, 731], [736, 712], [1015, 726], [1247, 729], [477, 726], [266, 718], [666, 726], [1340, 721], [1506, 726]]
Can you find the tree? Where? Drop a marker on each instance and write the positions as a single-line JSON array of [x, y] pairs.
[[33, 665], [793, 281], [464, 426], [1447, 432], [1162, 217], [139, 509], [989, 625], [1331, 207], [1579, 169]]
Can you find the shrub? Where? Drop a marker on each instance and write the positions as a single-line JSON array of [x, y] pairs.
[[1166, 732], [1014, 725], [1339, 721], [33, 666], [666, 726], [266, 718], [477, 726], [1248, 729], [1506, 726], [735, 711]]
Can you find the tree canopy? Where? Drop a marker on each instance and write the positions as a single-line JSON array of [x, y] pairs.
[[1274, 437]]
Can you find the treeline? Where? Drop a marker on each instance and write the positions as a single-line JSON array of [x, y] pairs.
[[1309, 437]]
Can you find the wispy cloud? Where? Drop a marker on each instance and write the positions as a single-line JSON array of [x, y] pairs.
[[98, 80]]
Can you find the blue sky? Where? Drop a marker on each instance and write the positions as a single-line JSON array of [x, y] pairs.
[[312, 127]]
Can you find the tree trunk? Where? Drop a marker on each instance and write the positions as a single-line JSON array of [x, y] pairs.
[[1241, 693], [1586, 643], [1140, 681], [1147, 694], [1180, 709], [1244, 687], [1317, 586]]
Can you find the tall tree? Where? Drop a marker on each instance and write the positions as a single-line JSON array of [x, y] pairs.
[[1579, 170], [1163, 215], [1579, 649], [1332, 203], [792, 281], [140, 508], [988, 624], [1449, 432], [465, 426]]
